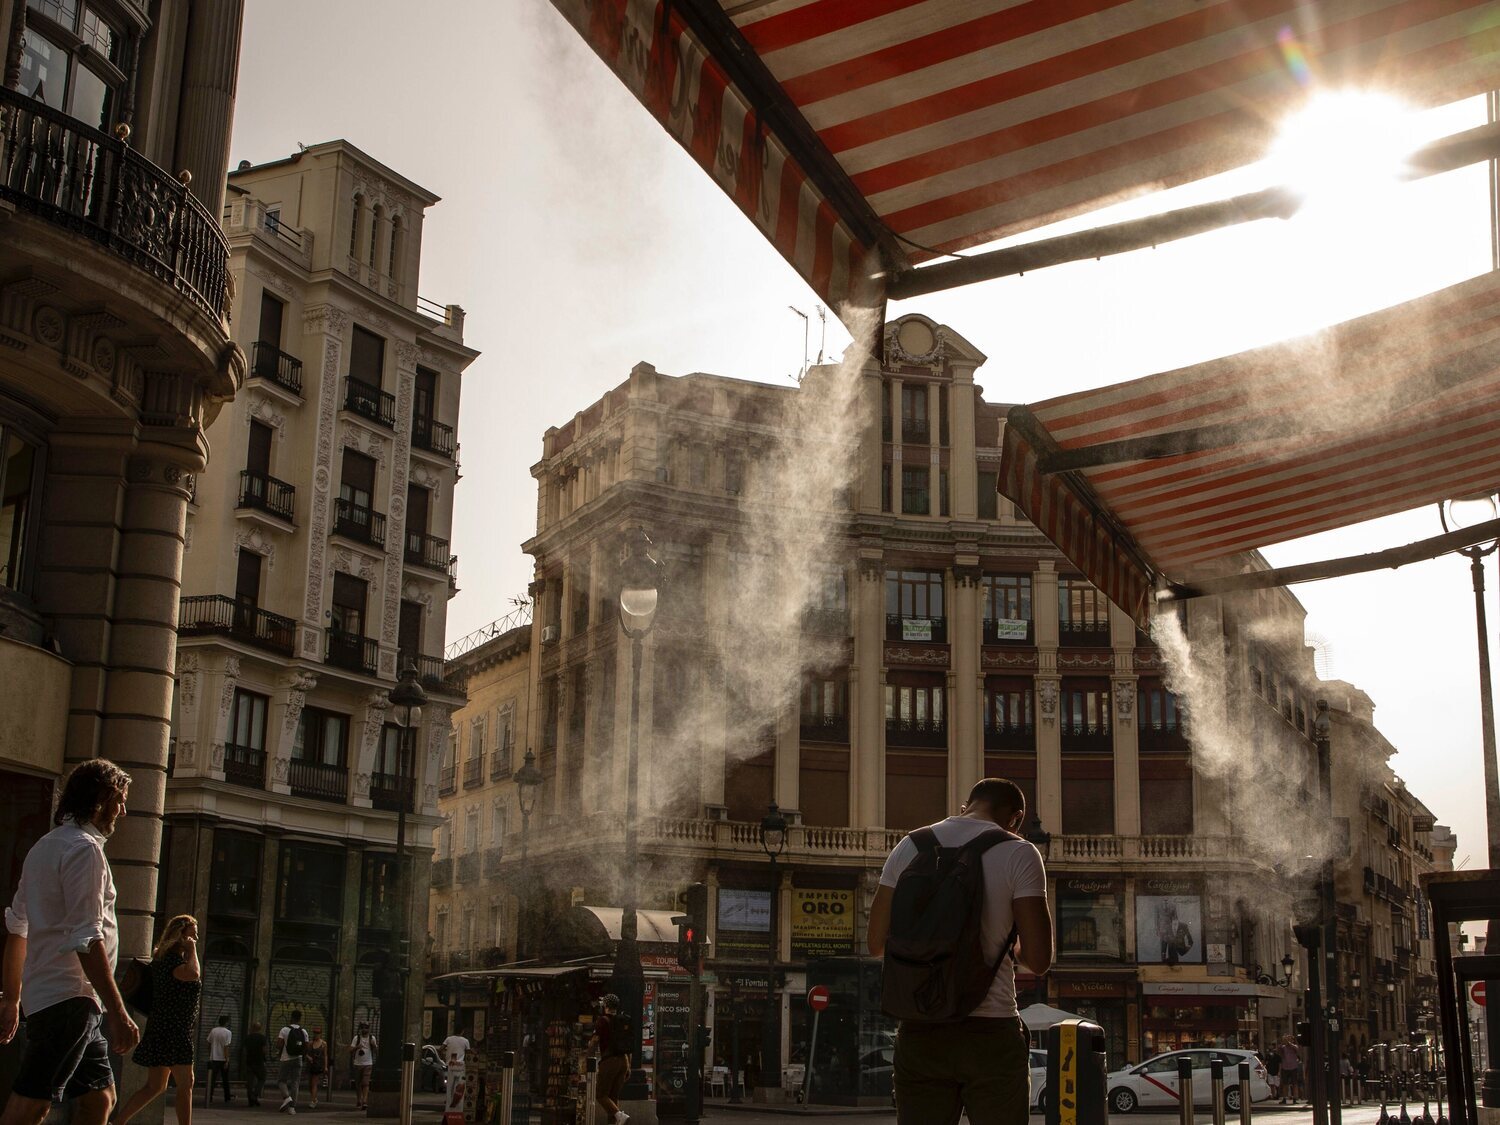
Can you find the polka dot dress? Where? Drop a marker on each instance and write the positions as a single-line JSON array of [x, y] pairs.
[[168, 1038]]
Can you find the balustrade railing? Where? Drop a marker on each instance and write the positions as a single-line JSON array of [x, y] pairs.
[[352, 651], [370, 402], [427, 550], [318, 781], [264, 492], [244, 765], [270, 362], [385, 792], [432, 435], [358, 522], [222, 615]]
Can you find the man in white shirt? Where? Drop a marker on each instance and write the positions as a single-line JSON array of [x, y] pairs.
[[362, 1050], [293, 1044], [979, 1064], [218, 1060], [59, 959], [454, 1047]]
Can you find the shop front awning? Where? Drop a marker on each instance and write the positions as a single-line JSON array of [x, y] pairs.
[[515, 972], [1173, 478], [651, 925], [915, 128]]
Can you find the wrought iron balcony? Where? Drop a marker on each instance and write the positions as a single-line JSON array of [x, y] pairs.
[[221, 615], [468, 867], [442, 873], [355, 521], [432, 435], [924, 733], [474, 772], [318, 781], [448, 781], [385, 791], [1008, 632], [1083, 634], [825, 728], [1015, 737], [427, 550], [352, 651], [270, 362], [434, 672], [1084, 739], [1163, 738], [369, 402], [267, 494], [93, 184], [244, 765], [915, 430], [899, 628]]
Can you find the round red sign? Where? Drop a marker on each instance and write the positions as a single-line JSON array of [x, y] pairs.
[[1477, 993], [817, 997]]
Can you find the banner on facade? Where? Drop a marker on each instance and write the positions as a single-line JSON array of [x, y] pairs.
[[1009, 629], [916, 629], [1424, 924], [1168, 922], [822, 922], [744, 931], [1091, 918]]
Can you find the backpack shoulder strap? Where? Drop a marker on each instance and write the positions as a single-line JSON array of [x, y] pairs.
[[925, 839], [988, 839]]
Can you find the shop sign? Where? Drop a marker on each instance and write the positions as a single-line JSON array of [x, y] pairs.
[[1424, 930], [746, 911], [1218, 953], [1009, 629], [916, 629], [1168, 922], [1092, 988], [822, 922], [1197, 988], [1091, 918]]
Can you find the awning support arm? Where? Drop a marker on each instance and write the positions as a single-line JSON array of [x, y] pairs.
[[1388, 559], [1457, 151]]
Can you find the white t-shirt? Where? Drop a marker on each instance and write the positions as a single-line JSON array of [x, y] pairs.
[[1012, 869], [363, 1047], [454, 1047], [285, 1032], [218, 1044]]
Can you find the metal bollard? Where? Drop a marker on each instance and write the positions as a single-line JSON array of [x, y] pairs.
[[591, 1089], [408, 1077], [1245, 1098], [1185, 1090], [507, 1086], [1216, 1085]]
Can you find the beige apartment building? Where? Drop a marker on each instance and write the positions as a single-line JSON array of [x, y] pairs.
[[115, 359], [933, 638], [317, 567]]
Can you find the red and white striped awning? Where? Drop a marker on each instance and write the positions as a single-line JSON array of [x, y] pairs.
[[1159, 477], [912, 126]]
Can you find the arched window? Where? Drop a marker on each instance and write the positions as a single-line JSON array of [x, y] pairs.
[[395, 243], [374, 235], [359, 203]]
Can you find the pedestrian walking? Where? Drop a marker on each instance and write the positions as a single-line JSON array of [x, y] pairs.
[[253, 1063], [611, 1039], [60, 958], [166, 1049], [317, 1065], [1291, 1070], [1272, 1061], [219, 1039], [292, 1042], [454, 1047], [362, 1050], [965, 888]]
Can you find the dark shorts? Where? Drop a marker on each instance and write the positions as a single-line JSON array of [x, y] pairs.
[[67, 1055], [613, 1071], [978, 1065]]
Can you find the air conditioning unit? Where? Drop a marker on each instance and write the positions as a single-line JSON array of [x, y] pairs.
[[549, 634]]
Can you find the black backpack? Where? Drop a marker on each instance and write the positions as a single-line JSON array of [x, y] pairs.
[[935, 968], [135, 984], [296, 1042]]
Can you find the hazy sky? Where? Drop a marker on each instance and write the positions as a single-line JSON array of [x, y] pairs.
[[581, 240]]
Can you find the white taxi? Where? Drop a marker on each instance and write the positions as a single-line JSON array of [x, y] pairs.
[[1154, 1082]]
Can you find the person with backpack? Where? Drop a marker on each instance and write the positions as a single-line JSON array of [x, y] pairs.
[[954, 897], [362, 1058], [293, 1044], [612, 1040]]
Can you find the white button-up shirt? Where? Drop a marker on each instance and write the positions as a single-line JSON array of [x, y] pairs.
[[65, 903]]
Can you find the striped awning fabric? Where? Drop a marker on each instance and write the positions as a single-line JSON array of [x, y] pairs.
[[1163, 476], [909, 127]]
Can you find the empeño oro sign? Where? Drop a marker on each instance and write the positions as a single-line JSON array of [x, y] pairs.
[[822, 922]]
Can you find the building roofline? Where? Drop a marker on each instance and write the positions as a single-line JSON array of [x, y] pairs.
[[427, 197]]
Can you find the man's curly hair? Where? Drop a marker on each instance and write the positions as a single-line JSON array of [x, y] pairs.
[[87, 788]]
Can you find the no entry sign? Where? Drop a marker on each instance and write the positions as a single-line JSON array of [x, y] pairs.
[[817, 998], [1476, 993]]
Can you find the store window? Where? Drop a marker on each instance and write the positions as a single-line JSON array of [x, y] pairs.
[[234, 878], [311, 885], [20, 481], [1168, 922], [1006, 602], [73, 59], [1091, 919], [378, 908]]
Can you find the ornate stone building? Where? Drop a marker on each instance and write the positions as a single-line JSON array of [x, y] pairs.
[[115, 359], [317, 567]]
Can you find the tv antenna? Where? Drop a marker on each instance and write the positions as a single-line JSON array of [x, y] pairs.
[[805, 322]]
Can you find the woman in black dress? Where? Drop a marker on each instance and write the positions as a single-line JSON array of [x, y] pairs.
[[166, 1048]]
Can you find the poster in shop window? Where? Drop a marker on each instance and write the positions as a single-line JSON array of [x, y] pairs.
[[916, 629], [744, 924], [1168, 922], [1091, 918], [822, 922]]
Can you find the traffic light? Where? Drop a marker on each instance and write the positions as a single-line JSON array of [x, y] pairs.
[[1304, 1032], [692, 929], [687, 944]]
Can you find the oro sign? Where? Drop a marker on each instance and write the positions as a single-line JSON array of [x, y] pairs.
[[1476, 993], [817, 998]]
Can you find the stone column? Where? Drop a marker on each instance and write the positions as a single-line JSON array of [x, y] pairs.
[[368, 733], [1126, 734], [870, 444], [281, 726], [935, 493], [1048, 684], [966, 746], [963, 468], [265, 928], [395, 540], [221, 673], [867, 730], [716, 605], [205, 111], [787, 786], [324, 328]]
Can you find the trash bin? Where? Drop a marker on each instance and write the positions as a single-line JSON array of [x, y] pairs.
[[1076, 1075]]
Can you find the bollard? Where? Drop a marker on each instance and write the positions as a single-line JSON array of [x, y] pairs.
[[1216, 1084], [1405, 1118], [1185, 1090], [1076, 1079], [590, 1091], [1245, 1097], [408, 1076], [1385, 1117], [507, 1086]]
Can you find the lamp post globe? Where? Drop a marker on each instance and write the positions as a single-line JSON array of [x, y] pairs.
[[772, 842]]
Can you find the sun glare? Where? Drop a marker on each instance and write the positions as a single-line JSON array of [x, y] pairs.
[[1343, 146]]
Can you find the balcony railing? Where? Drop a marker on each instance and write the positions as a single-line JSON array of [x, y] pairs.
[[432, 435], [318, 781], [448, 781], [385, 791], [1156, 849], [915, 430], [474, 772], [266, 493], [93, 184], [1009, 631], [442, 873], [352, 651], [427, 550], [916, 732], [434, 672], [825, 728], [221, 615], [270, 362], [1163, 738], [1083, 634], [244, 765], [468, 867], [1015, 737], [1083, 739], [899, 628], [355, 521], [369, 402], [500, 762], [493, 858], [826, 621]]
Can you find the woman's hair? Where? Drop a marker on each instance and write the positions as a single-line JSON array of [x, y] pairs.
[[172, 933], [87, 788]]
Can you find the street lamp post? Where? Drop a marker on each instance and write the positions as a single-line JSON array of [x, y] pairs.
[[772, 842], [1462, 513], [1328, 908], [639, 592], [409, 697], [528, 781]]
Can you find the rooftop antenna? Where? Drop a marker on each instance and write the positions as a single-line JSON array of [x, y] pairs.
[[805, 322], [823, 331], [1322, 655]]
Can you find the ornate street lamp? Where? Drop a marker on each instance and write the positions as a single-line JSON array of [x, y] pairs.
[[407, 697], [528, 781], [772, 842], [640, 581]]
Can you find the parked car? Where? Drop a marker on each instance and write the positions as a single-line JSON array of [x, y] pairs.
[[1154, 1082], [432, 1069], [1038, 1080]]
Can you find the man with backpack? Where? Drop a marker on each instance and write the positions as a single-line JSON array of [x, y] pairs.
[[954, 898], [293, 1044]]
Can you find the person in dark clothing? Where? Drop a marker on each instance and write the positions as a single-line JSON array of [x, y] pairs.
[[610, 1036], [253, 1063]]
